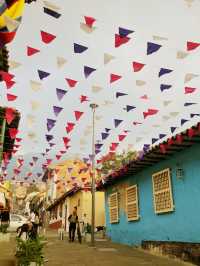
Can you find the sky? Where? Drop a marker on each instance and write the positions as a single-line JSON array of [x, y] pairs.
[[168, 25]]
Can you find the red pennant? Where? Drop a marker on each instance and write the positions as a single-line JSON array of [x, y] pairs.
[[69, 127], [9, 83], [9, 115], [179, 138], [31, 164], [14, 151], [66, 140], [58, 156], [119, 40], [18, 139], [29, 174], [16, 146], [13, 132], [49, 161], [31, 51], [11, 97], [189, 90], [170, 141], [47, 37], [114, 77], [163, 148], [83, 98], [89, 21], [71, 82], [6, 76], [137, 66], [192, 45], [121, 137], [114, 146], [78, 115], [191, 132], [63, 152]]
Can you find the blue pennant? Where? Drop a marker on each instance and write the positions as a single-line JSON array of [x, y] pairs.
[[161, 136], [118, 94], [183, 121], [188, 104], [154, 140], [104, 135], [43, 74], [88, 70], [165, 87], [173, 129], [129, 108], [164, 71], [117, 122], [78, 48], [51, 12], [124, 32], [192, 115], [152, 47]]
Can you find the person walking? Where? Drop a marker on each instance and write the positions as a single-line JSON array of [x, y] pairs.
[[73, 220]]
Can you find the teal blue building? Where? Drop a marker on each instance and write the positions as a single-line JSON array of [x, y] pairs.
[[157, 197]]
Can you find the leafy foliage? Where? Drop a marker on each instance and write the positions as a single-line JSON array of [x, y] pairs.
[[114, 162], [30, 251], [3, 228]]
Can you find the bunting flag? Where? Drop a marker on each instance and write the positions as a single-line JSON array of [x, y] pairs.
[[193, 115], [78, 115], [119, 94], [96, 89], [13, 132], [117, 122], [189, 104], [164, 71], [181, 55], [11, 97], [114, 77], [88, 71], [150, 112], [35, 86], [61, 61], [120, 40], [137, 66], [189, 77], [192, 45], [152, 47], [47, 37], [57, 110], [189, 90], [70, 126], [66, 140], [108, 58], [164, 87], [51, 12], [9, 115], [89, 21], [183, 121], [173, 129], [78, 48], [83, 99], [104, 135], [13, 64], [31, 51], [129, 108], [140, 82], [50, 124], [34, 105], [60, 93], [42, 74], [72, 83]]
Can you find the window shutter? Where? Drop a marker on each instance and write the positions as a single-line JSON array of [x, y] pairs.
[[113, 208], [162, 192], [132, 203]]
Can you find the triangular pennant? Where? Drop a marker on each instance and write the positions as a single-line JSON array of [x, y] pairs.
[[174, 114], [181, 55], [14, 64], [47, 37], [188, 104], [50, 124], [86, 28], [13, 132], [119, 94], [192, 45], [11, 97], [71, 82], [57, 110], [166, 103], [152, 47], [108, 58], [61, 61], [189, 90], [89, 21], [129, 108], [31, 51], [107, 129], [34, 105], [78, 115], [9, 83], [165, 87], [58, 156], [42, 74], [192, 115], [51, 12], [154, 140], [161, 136], [78, 48], [173, 129], [183, 121], [117, 122], [144, 97], [114, 77], [121, 137], [137, 66], [66, 140], [9, 115], [189, 77], [140, 82], [159, 38], [35, 86], [88, 71], [51, 144], [164, 71], [124, 32], [104, 135], [49, 137], [119, 40], [51, 6], [83, 99], [60, 93], [69, 127]]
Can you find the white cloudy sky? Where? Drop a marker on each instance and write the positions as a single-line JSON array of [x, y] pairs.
[[174, 20]]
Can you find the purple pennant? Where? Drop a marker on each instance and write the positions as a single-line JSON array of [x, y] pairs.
[[43, 74], [165, 87], [117, 122], [98, 146], [60, 93], [47, 150], [119, 94], [146, 147], [161, 136], [192, 115], [141, 155], [183, 121], [188, 104], [57, 110], [124, 32], [51, 12], [35, 159], [78, 48], [129, 108], [173, 129], [164, 71], [154, 140], [52, 144], [43, 154], [91, 156], [50, 124], [104, 135], [97, 151], [88, 70], [152, 47], [107, 130], [49, 137]]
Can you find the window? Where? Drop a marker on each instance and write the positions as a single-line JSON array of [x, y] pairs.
[[113, 208], [132, 203], [162, 191]]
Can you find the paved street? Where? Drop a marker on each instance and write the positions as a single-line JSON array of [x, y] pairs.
[[61, 253]]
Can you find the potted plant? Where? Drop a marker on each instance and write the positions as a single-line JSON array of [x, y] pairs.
[[30, 252]]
